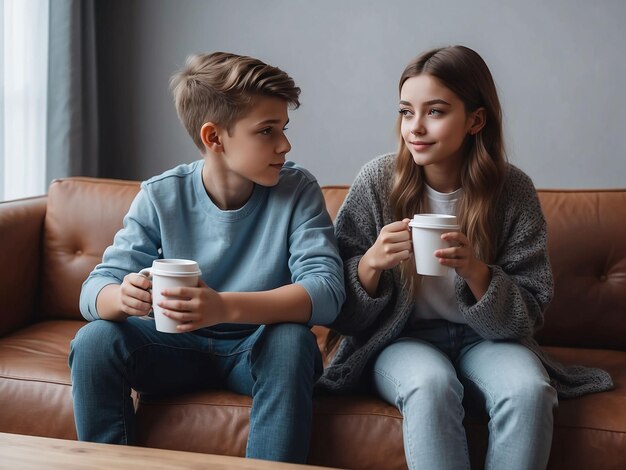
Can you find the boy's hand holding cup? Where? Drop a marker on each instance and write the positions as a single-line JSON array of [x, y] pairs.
[[168, 274]]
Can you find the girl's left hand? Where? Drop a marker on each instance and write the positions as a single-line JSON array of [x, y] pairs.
[[460, 256]]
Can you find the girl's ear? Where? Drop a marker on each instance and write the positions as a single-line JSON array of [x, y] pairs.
[[210, 134], [478, 119]]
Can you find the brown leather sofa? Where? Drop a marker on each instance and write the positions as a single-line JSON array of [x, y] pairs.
[[49, 244]]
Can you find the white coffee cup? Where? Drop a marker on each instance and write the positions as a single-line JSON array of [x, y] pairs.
[[426, 231], [165, 274]]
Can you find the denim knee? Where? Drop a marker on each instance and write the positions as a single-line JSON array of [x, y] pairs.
[[530, 395], [97, 343], [433, 385], [291, 347]]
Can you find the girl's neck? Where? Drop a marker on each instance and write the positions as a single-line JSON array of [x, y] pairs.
[[443, 178]]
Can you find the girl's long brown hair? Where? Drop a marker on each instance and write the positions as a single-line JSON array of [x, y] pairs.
[[463, 72], [484, 167]]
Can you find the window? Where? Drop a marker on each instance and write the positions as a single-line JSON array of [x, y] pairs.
[[23, 107]]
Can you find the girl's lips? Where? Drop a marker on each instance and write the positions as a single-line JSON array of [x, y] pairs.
[[421, 145]]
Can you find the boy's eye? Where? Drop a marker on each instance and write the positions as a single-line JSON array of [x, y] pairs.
[[271, 130]]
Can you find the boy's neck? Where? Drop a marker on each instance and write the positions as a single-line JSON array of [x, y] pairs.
[[227, 190]]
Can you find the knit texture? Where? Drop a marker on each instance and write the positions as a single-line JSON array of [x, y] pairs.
[[512, 308]]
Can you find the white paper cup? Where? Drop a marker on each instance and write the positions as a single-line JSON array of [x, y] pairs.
[[165, 274], [426, 231]]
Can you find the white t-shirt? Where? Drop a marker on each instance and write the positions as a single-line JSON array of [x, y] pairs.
[[436, 298]]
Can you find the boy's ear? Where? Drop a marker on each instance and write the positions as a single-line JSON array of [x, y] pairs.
[[210, 134], [478, 121]]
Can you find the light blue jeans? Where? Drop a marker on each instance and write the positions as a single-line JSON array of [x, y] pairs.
[[275, 364], [428, 374]]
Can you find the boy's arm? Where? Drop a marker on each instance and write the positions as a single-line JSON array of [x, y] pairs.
[[199, 307], [134, 247], [289, 303], [117, 302], [314, 260], [315, 295]]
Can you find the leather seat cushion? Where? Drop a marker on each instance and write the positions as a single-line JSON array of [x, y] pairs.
[[35, 381]]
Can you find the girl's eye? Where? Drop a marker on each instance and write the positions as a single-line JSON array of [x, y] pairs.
[[435, 112], [404, 112]]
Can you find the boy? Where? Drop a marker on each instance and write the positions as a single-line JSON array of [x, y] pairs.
[[259, 230]]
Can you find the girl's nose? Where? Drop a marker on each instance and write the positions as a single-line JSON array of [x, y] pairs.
[[418, 127]]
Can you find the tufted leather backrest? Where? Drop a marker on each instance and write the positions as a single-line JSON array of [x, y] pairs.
[[587, 245], [82, 217], [587, 249]]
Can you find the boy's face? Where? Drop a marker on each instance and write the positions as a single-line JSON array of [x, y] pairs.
[[256, 147]]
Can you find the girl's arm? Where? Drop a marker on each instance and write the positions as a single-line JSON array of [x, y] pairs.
[[392, 246], [521, 283], [357, 226]]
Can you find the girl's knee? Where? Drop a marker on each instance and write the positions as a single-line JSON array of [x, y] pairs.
[[432, 386], [437, 385], [531, 393]]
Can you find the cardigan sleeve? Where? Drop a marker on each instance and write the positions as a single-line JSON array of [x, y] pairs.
[[521, 284], [358, 223]]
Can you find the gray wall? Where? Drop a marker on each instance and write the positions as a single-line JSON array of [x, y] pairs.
[[559, 67]]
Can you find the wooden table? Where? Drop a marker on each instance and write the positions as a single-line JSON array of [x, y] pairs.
[[30, 452]]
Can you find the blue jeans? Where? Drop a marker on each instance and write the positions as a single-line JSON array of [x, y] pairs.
[[428, 374], [275, 364]]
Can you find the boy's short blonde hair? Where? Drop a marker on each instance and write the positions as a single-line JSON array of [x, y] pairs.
[[221, 87]]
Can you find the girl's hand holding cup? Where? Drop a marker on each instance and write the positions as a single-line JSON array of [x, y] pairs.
[[392, 246]]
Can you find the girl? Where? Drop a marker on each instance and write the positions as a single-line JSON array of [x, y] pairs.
[[429, 345]]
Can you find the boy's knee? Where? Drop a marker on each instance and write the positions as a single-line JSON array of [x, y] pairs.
[[288, 347], [95, 340], [292, 338]]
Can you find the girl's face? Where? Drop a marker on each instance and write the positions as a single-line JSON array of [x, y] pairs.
[[434, 126]]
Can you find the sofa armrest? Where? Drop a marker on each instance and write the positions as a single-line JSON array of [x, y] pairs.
[[21, 228]]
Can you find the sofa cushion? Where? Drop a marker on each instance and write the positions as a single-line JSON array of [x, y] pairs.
[[21, 223], [36, 393], [82, 218], [586, 234], [346, 430], [594, 425], [35, 380]]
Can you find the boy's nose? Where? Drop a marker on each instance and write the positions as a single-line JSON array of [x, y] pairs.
[[284, 146]]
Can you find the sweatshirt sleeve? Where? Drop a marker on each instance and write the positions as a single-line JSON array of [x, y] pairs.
[[521, 284], [358, 223], [314, 260], [134, 247]]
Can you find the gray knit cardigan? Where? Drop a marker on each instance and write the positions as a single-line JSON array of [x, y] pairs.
[[512, 308]]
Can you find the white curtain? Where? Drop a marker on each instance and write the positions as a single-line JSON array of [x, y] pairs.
[[23, 109]]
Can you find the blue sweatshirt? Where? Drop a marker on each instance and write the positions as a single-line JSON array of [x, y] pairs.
[[282, 235]]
